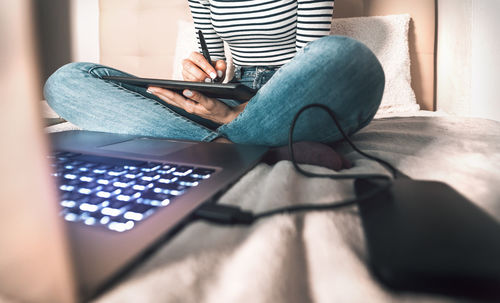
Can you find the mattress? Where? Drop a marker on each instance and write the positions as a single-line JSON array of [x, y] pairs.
[[317, 256]]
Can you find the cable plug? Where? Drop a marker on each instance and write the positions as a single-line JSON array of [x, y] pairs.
[[224, 214]]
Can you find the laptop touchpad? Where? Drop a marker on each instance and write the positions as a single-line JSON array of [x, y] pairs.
[[147, 146]]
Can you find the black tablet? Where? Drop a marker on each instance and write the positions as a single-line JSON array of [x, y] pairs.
[[235, 91]]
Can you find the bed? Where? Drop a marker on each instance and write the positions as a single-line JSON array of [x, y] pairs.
[[318, 256]]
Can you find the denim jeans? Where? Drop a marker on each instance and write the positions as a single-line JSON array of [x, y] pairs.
[[336, 71]]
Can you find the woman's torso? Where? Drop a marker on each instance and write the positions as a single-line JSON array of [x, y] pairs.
[[259, 32], [263, 32]]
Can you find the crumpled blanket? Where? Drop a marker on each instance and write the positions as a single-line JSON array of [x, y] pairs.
[[315, 256]]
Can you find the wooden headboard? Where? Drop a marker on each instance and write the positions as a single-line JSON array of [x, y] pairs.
[[139, 35]]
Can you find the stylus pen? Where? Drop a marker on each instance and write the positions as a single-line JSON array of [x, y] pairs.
[[204, 48]]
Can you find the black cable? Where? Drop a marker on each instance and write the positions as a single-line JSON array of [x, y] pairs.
[[228, 214], [348, 140], [335, 205], [323, 207]]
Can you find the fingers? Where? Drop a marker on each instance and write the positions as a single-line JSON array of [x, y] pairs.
[[210, 108], [220, 67], [203, 64], [187, 76], [196, 68], [177, 100], [167, 95], [207, 103], [193, 72], [197, 104]]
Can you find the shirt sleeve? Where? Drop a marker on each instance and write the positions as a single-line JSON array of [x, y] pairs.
[[314, 20], [200, 11]]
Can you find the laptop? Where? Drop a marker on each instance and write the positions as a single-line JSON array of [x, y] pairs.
[[79, 209]]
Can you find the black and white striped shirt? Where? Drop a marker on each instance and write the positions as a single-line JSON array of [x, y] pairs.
[[260, 32]]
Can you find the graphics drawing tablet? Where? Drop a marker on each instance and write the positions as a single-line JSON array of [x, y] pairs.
[[235, 91]]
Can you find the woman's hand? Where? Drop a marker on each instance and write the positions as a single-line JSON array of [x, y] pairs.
[[196, 68], [199, 104]]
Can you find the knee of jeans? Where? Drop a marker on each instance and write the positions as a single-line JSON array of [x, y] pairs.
[[336, 51], [64, 78], [333, 50], [333, 42], [359, 67]]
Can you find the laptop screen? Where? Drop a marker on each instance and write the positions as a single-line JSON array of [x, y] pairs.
[[32, 236]]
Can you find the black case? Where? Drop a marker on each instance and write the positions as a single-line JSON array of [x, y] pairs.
[[425, 236]]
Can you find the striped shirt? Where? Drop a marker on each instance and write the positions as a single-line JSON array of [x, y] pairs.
[[260, 32]]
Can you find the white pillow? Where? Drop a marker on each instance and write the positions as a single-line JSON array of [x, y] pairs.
[[387, 37]]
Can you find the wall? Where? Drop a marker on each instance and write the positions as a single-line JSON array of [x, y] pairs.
[[66, 31], [85, 30], [52, 19], [468, 71], [139, 36], [486, 59]]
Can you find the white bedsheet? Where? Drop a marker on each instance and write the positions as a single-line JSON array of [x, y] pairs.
[[316, 257]]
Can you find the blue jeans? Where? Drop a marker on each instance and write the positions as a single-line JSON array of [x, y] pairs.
[[336, 71]]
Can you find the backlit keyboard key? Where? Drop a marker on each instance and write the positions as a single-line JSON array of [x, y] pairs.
[[183, 170], [139, 212], [155, 199], [116, 193]]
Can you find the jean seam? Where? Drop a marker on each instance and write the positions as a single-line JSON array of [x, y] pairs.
[[136, 94], [211, 137], [97, 66], [238, 117]]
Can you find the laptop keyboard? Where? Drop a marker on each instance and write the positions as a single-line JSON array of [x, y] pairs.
[[118, 193]]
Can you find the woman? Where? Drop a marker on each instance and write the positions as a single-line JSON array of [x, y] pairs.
[[279, 47]]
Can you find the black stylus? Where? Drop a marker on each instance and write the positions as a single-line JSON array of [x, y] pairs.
[[204, 50]]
